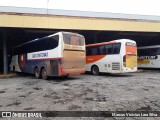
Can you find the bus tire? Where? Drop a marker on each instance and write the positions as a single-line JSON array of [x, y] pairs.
[[44, 74], [95, 70], [65, 77], [37, 73], [13, 68]]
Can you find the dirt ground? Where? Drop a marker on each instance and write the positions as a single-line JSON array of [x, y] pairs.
[[106, 92]]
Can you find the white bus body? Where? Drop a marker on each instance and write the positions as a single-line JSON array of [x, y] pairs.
[[149, 56], [60, 54], [118, 56]]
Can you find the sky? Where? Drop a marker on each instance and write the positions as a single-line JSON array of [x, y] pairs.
[[140, 7]]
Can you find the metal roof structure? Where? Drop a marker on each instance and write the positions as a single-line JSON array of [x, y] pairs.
[[45, 18], [42, 11]]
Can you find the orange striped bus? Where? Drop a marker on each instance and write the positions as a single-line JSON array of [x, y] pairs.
[[118, 56]]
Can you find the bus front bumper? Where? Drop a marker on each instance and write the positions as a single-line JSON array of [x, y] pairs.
[[69, 72]]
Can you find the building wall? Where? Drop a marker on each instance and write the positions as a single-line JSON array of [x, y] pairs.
[[70, 22]]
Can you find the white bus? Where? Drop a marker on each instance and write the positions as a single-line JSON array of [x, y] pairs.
[[149, 56], [118, 56], [60, 54]]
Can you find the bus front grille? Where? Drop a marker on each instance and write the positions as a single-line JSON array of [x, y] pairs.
[[115, 66]]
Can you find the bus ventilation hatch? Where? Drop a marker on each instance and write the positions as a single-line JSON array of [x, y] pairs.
[[115, 66]]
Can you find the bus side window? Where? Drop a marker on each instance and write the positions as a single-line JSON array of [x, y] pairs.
[[94, 50], [108, 49], [20, 50], [101, 50], [140, 52], [44, 44], [32, 47], [158, 51], [144, 52], [148, 52], [88, 51], [116, 48], [152, 52], [105, 49], [52, 42]]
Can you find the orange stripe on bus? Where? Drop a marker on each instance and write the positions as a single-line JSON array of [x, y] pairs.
[[94, 58]]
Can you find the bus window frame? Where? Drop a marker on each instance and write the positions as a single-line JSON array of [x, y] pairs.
[[89, 49], [68, 41]]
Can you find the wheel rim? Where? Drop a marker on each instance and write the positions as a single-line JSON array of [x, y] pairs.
[[44, 73], [37, 73], [95, 70]]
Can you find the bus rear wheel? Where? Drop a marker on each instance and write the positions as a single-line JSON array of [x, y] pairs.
[[44, 74], [37, 73], [95, 70]]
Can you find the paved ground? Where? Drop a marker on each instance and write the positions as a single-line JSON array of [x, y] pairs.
[[134, 91]]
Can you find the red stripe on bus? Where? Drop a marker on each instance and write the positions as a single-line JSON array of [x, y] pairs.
[[91, 59]]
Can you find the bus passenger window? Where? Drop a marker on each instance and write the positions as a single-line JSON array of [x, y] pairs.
[[88, 51], [116, 48], [158, 51], [152, 52], [94, 51], [108, 49], [142, 52], [101, 50]]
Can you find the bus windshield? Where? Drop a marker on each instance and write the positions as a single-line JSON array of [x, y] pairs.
[[130, 59], [131, 48], [73, 39]]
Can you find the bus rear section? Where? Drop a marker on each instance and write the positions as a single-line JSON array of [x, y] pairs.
[[73, 60], [53, 55], [111, 57], [130, 56]]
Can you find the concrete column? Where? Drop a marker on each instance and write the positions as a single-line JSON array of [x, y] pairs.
[[5, 57]]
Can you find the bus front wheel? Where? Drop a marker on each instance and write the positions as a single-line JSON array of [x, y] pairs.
[[44, 74], [37, 73], [95, 70]]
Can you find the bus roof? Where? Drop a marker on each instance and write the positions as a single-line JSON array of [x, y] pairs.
[[152, 46], [110, 42], [102, 43], [46, 37]]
